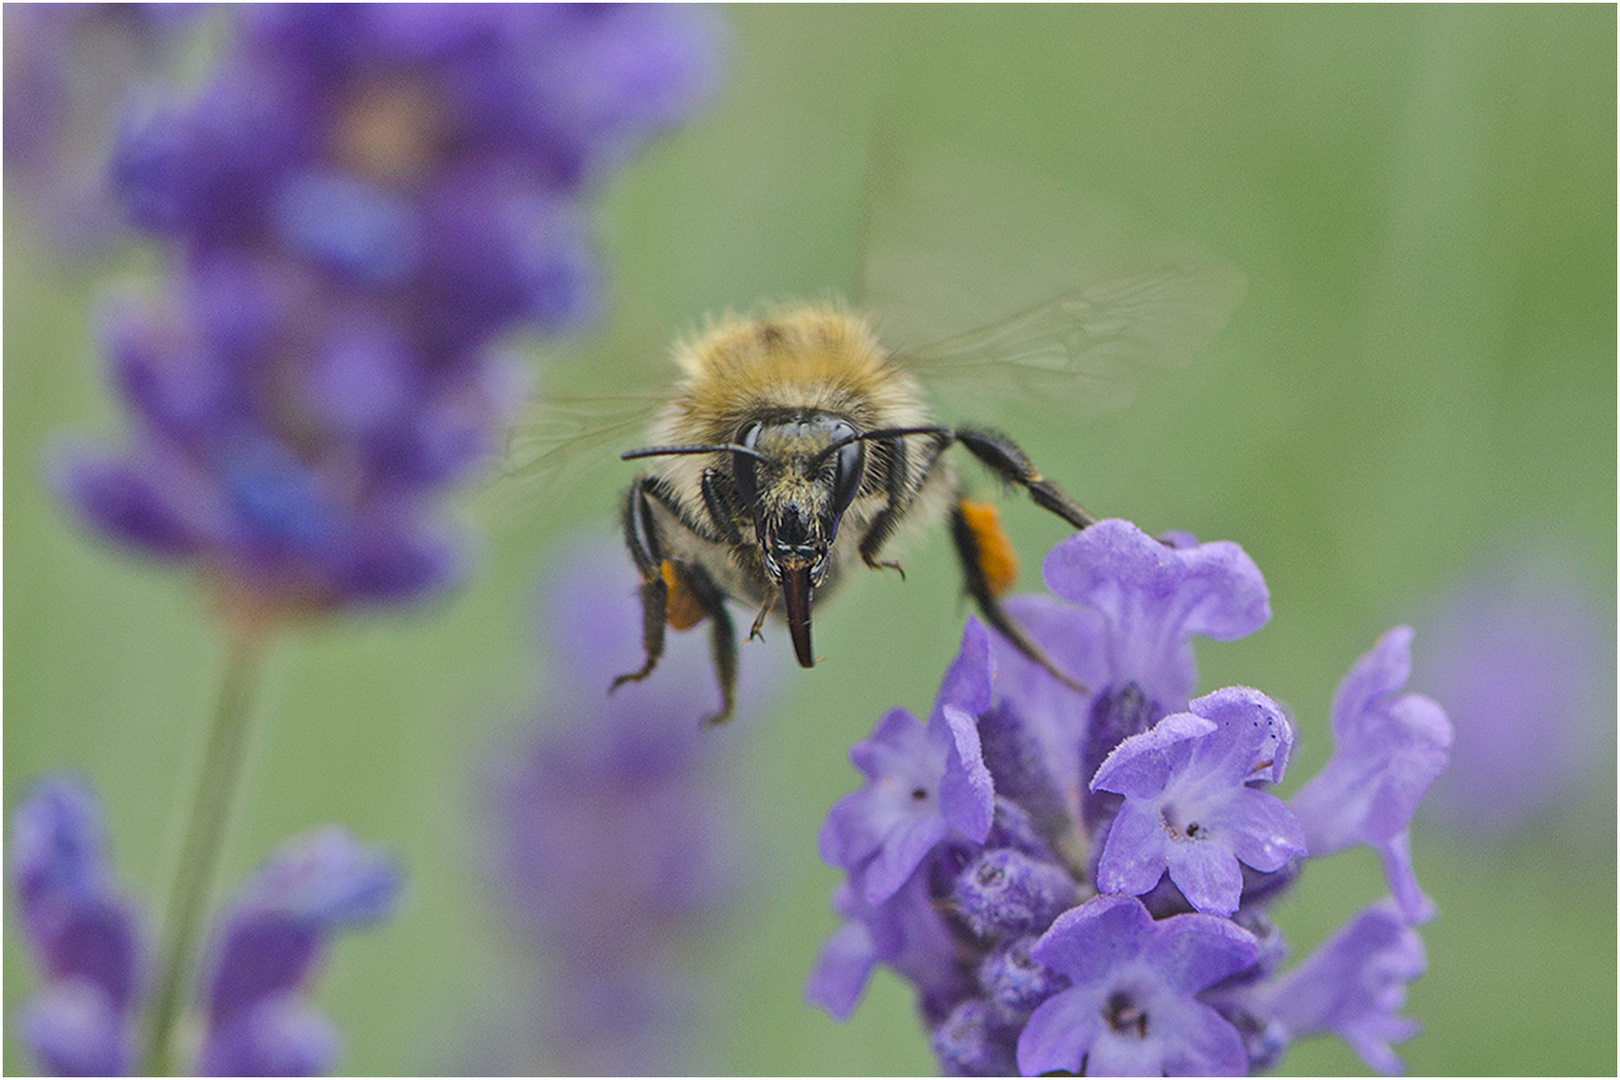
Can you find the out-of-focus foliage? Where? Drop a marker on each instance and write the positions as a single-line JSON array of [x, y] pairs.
[[1421, 380]]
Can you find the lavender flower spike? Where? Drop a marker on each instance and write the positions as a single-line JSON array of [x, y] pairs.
[[360, 203], [269, 946], [1189, 808], [612, 841], [1058, 939], [1387, 751], [1132, 1009], [84, 934], [923, 782]]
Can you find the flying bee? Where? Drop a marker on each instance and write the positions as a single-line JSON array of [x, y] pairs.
[[795, 446]]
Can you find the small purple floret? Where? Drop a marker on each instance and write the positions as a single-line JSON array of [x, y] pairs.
[[1189, 808], [85, 935], [1157, 598], [923, 782], [1132, 1008], [1388, 749], [1353, 985], [1004, 892]]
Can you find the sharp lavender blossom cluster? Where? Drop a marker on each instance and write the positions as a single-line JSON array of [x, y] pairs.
[[615, 842], [90, 941], [359, 204], [1080, 882]]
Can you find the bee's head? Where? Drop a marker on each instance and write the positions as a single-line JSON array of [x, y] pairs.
[[797, 476]]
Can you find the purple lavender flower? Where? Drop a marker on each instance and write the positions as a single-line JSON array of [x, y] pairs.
[[1190, 810], [269, 945], [84, 933], [908, 932], [1155, 599], [614, 844], [68, 67], [434, 154], [1352, 986], [923, 781], [92, 952], [1387, 751], [361, 201], [1132, 1007], [1111, 917]]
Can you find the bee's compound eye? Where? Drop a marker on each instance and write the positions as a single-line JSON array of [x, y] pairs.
[[742, 466], [849, 464]]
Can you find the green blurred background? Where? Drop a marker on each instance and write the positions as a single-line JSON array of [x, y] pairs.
[[1420, 383]]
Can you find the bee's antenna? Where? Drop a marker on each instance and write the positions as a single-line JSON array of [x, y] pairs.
[[879, 433], [716, 448]]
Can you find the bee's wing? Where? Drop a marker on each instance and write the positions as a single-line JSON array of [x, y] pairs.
[[953, 245], [1087, 351], [566, 439]]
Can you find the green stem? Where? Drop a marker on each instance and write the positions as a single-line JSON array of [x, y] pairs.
[[205, 828]]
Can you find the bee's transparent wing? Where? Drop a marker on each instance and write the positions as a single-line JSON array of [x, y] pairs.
[[1087, 351], [567, 439], [953, 245]]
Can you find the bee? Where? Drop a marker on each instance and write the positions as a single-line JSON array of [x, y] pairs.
[[796, 445]]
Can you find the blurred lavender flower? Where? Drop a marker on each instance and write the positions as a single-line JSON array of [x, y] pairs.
[[85, 934], [91, 948], [1111, 916], [1524, 661], [267, 948], [68, 68], [361, 201], [614, 844]]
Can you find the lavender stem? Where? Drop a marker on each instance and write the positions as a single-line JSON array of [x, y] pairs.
[[207, 823]]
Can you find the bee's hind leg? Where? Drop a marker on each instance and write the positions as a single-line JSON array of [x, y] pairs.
[[1004, 457], [989, 566]]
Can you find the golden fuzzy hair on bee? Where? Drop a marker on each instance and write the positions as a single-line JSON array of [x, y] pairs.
[[808, 357]]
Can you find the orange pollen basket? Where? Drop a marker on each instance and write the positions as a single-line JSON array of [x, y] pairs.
[[997, 559], [682, 609]]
